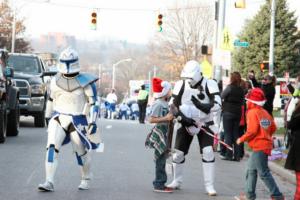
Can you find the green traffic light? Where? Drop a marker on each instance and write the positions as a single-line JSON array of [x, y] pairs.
[[160, 29], [93, 26]]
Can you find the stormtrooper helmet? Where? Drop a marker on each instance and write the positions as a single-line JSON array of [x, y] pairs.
[[192, 71]]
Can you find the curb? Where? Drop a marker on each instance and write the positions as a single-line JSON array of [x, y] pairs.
[[283, 173]]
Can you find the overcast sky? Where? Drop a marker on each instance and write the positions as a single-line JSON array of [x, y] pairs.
[[119, 20]]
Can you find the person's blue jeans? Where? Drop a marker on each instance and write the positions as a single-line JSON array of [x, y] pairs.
[[160, 172], [258, 164], [135, 115], [123, 113]]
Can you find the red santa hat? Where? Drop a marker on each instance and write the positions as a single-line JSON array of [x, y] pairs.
[[257, 96], [160, 87]]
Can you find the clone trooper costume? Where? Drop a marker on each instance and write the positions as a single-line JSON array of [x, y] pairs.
[[72, 112], [197, 100]]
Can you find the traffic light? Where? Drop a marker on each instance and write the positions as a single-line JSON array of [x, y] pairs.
[[94, 20], [240, 4], [159, 22], [264, 66], [204, 49]]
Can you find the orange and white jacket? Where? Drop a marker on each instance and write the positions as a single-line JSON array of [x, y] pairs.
[[260, 128]]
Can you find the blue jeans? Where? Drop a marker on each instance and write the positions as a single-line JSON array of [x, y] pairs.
[[258, 163], [160, 172], [123, 113]]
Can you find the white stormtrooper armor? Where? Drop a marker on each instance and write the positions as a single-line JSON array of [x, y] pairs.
[[72, 111], [197, 99]]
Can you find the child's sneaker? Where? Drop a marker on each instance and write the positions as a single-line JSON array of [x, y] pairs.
[[242, 196], [163, 190]]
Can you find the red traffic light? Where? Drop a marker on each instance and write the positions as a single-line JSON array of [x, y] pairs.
[[159, 17], [93, 20], [94, 14], [264, 66]]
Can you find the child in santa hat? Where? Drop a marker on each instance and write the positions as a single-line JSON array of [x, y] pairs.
[[157, 139], [260, 128]]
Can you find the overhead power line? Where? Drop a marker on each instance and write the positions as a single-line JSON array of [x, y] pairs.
[[115, 9]]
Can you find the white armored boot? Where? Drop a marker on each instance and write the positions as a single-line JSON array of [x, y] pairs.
[[178, 161], [209, 175], [85, 172], [50, 165], [208, 163], [177, 176]]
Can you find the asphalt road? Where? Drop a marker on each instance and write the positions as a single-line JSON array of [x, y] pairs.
[[123, 172]]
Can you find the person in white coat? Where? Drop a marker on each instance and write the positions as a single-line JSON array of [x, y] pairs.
[[112, 99]]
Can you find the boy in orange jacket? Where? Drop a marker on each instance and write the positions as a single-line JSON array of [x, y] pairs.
[[260, 128]]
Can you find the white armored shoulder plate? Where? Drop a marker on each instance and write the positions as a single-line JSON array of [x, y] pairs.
[[84, 79], [177, 87], [212, 86], [71, 84]]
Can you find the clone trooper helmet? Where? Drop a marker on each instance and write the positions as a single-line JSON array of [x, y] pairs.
[[193, 71], [68, 62]]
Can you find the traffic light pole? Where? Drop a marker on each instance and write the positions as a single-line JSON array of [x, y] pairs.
[[272, 37], [220, 12], [13, 34]]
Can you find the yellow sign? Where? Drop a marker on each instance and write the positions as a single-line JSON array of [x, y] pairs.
[[227, 43], [206, 69]]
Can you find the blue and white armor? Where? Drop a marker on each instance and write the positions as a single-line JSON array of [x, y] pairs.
[[198, 101], [73, 112]]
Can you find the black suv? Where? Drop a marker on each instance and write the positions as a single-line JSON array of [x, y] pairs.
[[9, 100], [31, 79]]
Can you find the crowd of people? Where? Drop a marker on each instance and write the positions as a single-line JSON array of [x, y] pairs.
[[196, 106], [246, 116], [126, 110]]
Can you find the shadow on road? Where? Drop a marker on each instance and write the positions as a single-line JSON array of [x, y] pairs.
[[27, 122]]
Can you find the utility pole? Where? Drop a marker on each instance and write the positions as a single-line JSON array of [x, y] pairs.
[[13, 34], [154, 71], [100, 76], [272, 37], [220, 15], [221, 21]]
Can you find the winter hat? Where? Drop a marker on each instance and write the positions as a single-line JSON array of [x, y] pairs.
[[257, 96], [160, 87]]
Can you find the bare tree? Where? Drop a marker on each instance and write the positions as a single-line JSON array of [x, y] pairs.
[[185, 30], [6, 18]]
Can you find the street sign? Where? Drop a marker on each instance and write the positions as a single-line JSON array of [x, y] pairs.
[[238, 43]]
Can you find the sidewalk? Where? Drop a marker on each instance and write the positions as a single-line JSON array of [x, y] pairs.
[[282, 172]]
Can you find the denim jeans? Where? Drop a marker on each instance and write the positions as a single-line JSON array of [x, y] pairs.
[[258, 164], [231, 134], [123, 113], [160, 172]]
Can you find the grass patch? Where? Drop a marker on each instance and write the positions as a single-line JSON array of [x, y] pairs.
[[277, 113], [280, 131]]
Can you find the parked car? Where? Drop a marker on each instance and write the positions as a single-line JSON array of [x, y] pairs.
[[9, 100], [31, 79]]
